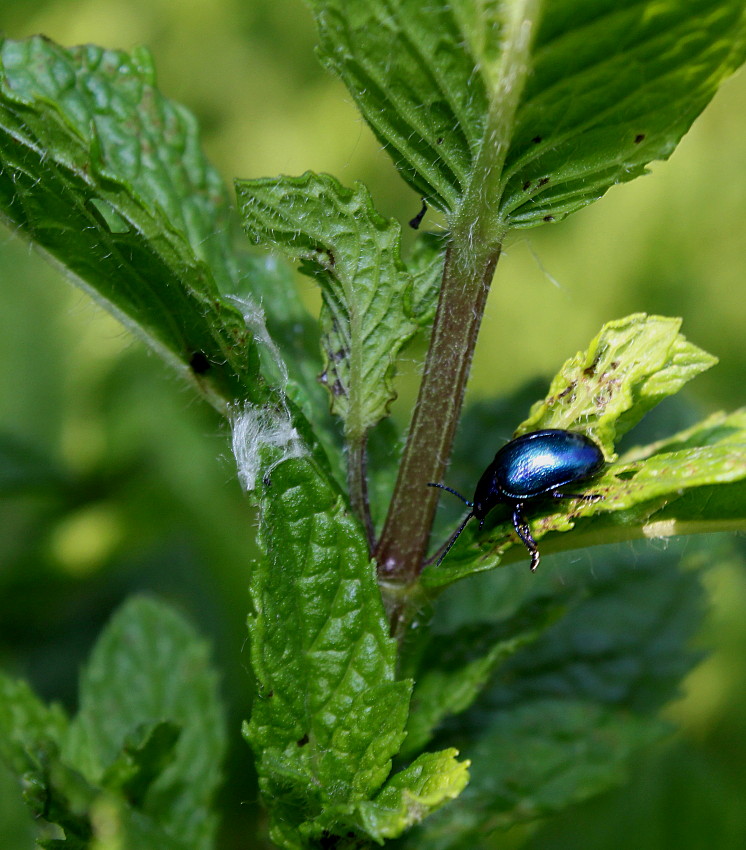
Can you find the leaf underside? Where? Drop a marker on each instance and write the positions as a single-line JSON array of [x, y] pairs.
[[605, 89]]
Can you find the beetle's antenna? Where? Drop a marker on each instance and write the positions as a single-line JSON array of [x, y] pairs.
[[446, 547], [443, 487]]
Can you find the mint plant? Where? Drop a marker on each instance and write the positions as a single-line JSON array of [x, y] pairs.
[[375, 706]]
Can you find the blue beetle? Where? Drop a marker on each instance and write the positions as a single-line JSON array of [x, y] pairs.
[[530, 467]]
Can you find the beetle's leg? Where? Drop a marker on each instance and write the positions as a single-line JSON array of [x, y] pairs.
[[523, 530]]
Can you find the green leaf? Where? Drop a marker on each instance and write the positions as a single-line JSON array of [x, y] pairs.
[[517, 113], [16, 825], [330, 713], [372, 307], [611, 89], [143, 758], [25, 724], [632, 365], [150, 666], [425, 264], [59, 795], [692, 482], [562, 717], [626, 642], [538, 759], [107, 177], [458, 665], [91, 819], [412, 794]]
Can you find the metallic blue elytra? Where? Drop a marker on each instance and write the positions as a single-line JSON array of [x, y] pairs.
[[531, 467]]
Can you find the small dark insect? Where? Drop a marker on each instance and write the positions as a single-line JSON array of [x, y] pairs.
[[528, 468], [415, 222]]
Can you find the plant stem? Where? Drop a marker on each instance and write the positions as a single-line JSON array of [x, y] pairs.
[[477, 233], [466, 282], [357, 483]]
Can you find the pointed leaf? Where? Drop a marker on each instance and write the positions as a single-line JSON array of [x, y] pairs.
[[632, 365], [330, 714], [371, 309], [564, 714], [527, 111], [457, 666], [413, 794], [107, 177], [149, 665]]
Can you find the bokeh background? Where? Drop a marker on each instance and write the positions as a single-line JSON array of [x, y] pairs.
[[116, 479]]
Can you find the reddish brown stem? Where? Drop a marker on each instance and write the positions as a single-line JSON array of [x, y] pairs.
[[466, 282]]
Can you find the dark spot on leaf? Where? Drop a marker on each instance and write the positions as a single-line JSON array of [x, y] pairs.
[[543, 181], [267, 481], [536, 140], [439, 140], [199, 363], [323, 378], [527, 186], [301, 742], [339, 355], [570, 388], [590, 371], [567, 391], [639, 138], [337, 388], [415, 222], [548, 218], [614, 364]]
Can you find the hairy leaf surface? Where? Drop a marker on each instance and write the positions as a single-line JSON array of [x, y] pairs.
[[107, 177], [519, 113], [330, 713], [372, 304]]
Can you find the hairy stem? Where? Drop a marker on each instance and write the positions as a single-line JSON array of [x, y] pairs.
[[477, 233], [357, 482], [466, 282]]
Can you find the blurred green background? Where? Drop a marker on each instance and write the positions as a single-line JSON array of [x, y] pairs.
[[116, 479]]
